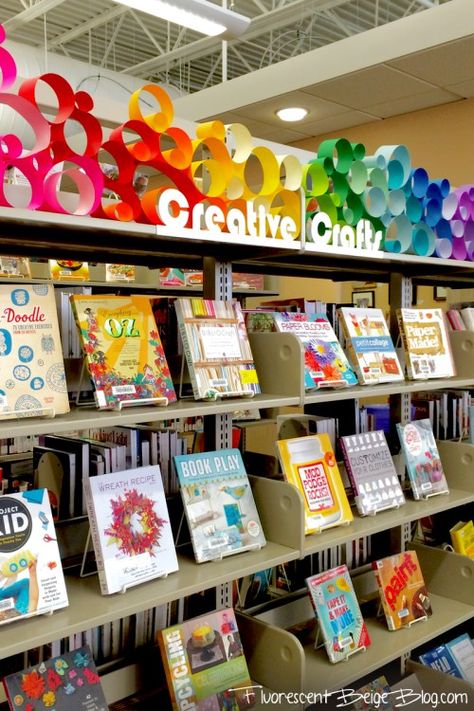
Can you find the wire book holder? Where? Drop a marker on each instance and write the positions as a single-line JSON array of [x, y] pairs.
[[427, 496], [121, 404], [213, 394], [388, 507], [423, 618], [319, 643]]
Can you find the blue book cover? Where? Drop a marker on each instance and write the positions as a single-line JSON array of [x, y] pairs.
[[462, 651], [440, 658], [218, 503], [422, 458]]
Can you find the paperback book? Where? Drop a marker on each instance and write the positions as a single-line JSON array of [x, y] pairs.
[[462, 651], [422, 460], [402, 589], [462, 538], [69, 269], [426, 343], [440, 658], [130, 528], [218, 503], [337, 609], [119, 272], [15, 267]]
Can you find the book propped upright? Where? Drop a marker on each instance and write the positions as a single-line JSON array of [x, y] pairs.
[[422, 459], [426, 343]]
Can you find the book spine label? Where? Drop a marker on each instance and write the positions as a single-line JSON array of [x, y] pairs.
[[406, 349], [348, 467]]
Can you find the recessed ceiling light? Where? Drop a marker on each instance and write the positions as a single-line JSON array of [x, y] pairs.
[[295, 113]]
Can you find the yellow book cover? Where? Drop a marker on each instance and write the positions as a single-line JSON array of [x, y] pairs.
[[68, 269], [309, 464], [462, 538], [123, 348]]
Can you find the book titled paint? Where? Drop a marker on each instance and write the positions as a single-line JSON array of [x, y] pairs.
[[205, 664], [66, 683], [309, 464], [218, 503], [402, 589], [371, 471], [369, 345], [31, 575], [217, 348], [130, 527], [338, 612], [123, 349], [32, 378], [426, 343], [422, 460]]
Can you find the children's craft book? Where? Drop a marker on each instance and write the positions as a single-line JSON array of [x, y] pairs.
[[66, 683], [309, 464], [32, 378], [338, 612], [371, 471], [426, 343], [123, 349], [130, 527], [402, 589], [31, 575], [216, 347], [68, 269], [218, 503], [462, 538], [422, 458], [325, 361], [440, 658], [205, 664], [369, 345]]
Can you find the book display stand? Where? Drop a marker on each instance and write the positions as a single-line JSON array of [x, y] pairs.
[[389, 507], [216, 395], [381, 615], [117, 407], [46, 412], [319, 644]]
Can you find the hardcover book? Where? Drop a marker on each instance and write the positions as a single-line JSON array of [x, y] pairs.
[[440, 658], [402, 589], [205, 664], [32, 378], [217, 349], [371, 471], [338, 612], [218, 503], [130, 527], [31, 575], [68, 682], [426, 343], [309, 464], [123, 349], [369, 345], [422, 458]]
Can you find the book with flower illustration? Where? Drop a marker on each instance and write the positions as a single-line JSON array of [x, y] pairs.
[[426, 343], [325, 361], [123, 349], [402, 589], [69, 269], [422, 460], [369, 345], [217, 348], [66, 683], [130, 527], [205, 664], [337, 609]]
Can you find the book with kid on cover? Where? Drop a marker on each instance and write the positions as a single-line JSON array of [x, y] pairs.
[[422, 460], [426, 343], [309, 464], [337, 609], [218, 503]]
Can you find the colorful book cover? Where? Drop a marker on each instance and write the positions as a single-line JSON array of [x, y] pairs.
[[69, 269], [130, 527], [205, 664], [309, 464], [371, 471], [119, 272], [218, 503], [426, 343], [66, 683], [123, 349], [369, 346], [462, 651], [462, 538], [15, 266], [402, 589], [32, 377], [216, 347], [440, 658], [337, 609], [422, 458], [374, 695], [31, 575]]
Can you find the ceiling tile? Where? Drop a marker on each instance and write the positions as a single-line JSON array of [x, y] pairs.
[[412, 103], [464, 88], [337, 123], [283, 135], [443, 65], [266, 110]]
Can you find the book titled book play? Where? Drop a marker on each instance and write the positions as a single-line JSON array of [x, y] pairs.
[[426, 343], [31, 575], [422, 460], [130, 527], [205, 664], [32, 378], [369, 345], [309, 464], [66, 683], [371, 471], [337, 609], [123, 349], [218, 503], [216, 348], [402, 589]]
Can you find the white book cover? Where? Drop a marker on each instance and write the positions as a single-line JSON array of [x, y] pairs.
[[130, 528], [426, 343]]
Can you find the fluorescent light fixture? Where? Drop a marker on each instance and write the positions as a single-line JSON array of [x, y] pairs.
[[294, 113], [198, 15]]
